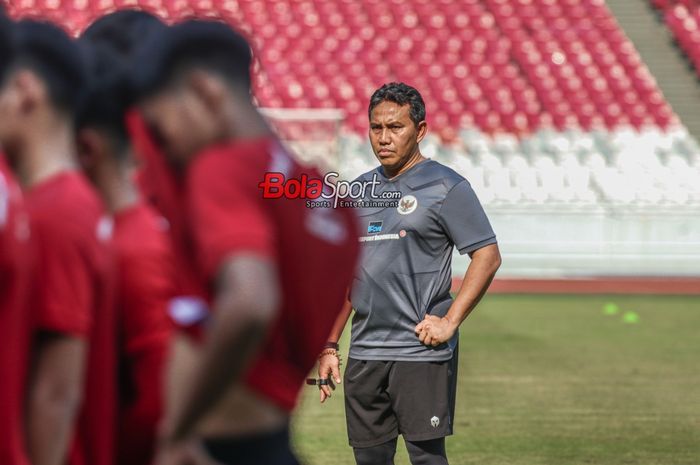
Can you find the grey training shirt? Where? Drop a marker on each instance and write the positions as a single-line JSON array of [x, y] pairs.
[[406, 257]]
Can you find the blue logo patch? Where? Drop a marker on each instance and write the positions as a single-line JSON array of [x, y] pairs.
[[374, 227]]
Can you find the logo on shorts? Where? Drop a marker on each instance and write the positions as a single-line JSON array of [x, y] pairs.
[[435, 421], [375, 227], [407, 204]]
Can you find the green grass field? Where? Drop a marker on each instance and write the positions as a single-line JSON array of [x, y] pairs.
[[556, 380]]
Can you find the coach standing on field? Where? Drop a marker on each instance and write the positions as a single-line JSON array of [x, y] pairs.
[[402, 368]]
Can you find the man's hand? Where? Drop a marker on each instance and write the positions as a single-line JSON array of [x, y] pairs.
[[328, 368], [433, 330]]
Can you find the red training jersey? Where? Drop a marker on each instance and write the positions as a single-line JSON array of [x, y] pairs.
[[164, 190], [315, 252], [74, 296], [145, 288], [14, 316]]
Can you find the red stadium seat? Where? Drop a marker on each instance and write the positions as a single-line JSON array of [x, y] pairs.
[[500, 64]]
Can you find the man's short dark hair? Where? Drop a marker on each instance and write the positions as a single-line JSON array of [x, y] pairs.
[[209, 45], [108, 95], [401, 94], [5, 44], [124, 30], [109, 45], [50, 53]]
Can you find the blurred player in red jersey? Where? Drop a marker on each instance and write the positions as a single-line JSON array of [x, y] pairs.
[[71, 392], [277, 272], [143, 253], [14, 286], [123, 31]]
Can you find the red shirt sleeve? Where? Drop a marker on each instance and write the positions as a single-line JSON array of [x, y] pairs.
[[64, 279], [227, 211]]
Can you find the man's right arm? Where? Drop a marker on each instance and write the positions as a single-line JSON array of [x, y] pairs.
[[55, 395], [329, 365], [63, 322]]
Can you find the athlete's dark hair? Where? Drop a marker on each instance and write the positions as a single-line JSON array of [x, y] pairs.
[[401, 94], [48, 51], [108, 95], [122, 30], [209, 45], [109, 45], [5, 44]]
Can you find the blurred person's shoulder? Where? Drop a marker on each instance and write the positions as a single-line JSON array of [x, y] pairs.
[[66, 202], [68, 189], [140, 229], [241, 158]]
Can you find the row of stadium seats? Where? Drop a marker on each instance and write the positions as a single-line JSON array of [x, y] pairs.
[[664, 5], [498, 65], [623, 167], [684, 23], [559, 107]]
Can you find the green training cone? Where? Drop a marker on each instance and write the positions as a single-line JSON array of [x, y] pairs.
[[611, 309], [630, 317]]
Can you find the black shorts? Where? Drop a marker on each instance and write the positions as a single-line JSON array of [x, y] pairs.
[[267, 448], [385, 399]]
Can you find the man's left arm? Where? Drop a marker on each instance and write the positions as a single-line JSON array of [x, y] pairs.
[[247, 300], [434, 330], [466, 225], [238, 253]]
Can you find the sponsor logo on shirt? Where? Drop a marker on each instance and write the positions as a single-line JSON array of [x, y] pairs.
[[4, 201], [383, 237], [407, 205], [188, 310], [435, 422], [104, 229], [375, 227]]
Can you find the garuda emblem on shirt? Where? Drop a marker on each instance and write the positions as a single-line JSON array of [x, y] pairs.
[[407, 204]]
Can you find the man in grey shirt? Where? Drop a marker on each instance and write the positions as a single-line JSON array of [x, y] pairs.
[[402, 368]]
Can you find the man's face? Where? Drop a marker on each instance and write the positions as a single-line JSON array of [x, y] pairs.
[[393, 135], [180, 122]]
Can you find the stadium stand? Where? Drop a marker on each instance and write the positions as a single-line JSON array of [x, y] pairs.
[[499, 65], [544, 105], [566, 168], [683, 20]]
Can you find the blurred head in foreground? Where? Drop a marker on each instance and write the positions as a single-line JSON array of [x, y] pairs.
[[109, 45], [194, 83], [5, 44], [123, 31], [42, 88]]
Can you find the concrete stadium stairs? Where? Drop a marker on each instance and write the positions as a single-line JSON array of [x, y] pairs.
[[666, 62]]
